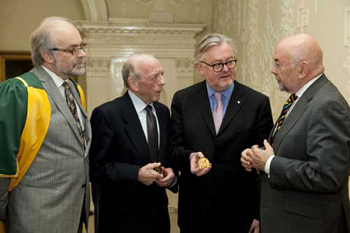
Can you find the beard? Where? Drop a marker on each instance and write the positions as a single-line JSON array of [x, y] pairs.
[[77, 69]]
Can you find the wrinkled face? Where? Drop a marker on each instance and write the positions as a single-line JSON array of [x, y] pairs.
[[150, 84], [285, 74], [68, 64], [222, 80]]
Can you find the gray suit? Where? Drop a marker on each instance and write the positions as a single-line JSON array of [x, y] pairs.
[[308, 186], [51, 195]]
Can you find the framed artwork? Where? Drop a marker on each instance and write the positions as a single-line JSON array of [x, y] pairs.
[[13, 64]]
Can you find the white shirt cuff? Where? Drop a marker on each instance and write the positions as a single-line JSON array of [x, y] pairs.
[[267, 165]]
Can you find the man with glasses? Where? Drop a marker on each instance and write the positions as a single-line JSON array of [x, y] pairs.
[[45, 137], [217, 119]]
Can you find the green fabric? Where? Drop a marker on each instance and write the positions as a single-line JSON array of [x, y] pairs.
[[13, 112], [32, 80]]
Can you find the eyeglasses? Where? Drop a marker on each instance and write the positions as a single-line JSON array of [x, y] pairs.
[[74, 51], [218, 67]]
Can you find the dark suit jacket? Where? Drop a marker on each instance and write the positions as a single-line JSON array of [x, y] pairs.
[[227, 188], [308, 186], [119, 148]]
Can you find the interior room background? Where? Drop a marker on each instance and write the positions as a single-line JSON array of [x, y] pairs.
[[169, 29]]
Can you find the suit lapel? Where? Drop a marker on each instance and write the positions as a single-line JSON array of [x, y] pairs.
[[204, 107], [134, 129], [56, 96], [297, 111], [234, 105]]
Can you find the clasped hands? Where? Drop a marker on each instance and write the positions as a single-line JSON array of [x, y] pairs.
[[256, 157], [147, 175]]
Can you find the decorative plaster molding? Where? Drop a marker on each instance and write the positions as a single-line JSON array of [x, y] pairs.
[[316, 6], [347, 27], [98, 67], [95, 10], [287, 26], [184, 66]]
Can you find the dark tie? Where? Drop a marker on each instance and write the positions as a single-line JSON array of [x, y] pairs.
[[73, 108], [152, 133], [284, 111]]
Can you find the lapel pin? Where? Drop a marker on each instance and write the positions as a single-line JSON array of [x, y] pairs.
[[238, 102]]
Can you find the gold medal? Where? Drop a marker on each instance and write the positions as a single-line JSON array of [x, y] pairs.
[[158, 169], [203, 163]]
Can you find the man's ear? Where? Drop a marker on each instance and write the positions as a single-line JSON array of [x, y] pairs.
[[303, 69], [133, 84], [48, 57], [199, 67]]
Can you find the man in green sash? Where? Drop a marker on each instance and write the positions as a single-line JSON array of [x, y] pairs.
[[45, 137]]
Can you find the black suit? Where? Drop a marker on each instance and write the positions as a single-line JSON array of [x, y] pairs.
[[226, 198], [119, 148]]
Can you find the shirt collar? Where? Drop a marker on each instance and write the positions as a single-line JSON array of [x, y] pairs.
[[138, 103], [226, 93], [57, 80], [301, 91]]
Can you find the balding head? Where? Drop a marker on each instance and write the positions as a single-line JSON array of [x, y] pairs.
[[304, 48], [298, 59]]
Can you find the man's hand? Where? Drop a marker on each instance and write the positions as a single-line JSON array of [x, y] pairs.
[[147, 175], [195, 169], [167, 179], [254, 228], [256, 157]]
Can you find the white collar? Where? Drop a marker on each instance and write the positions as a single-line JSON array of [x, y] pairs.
[[58, 81], [301, 91]]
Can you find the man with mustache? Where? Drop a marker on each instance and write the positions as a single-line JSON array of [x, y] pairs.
[[129, 153], [45, 137]]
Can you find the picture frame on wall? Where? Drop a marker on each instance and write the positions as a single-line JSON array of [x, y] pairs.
[[13, 64]]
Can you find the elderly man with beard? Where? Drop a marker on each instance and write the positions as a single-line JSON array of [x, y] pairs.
[[45, 137]]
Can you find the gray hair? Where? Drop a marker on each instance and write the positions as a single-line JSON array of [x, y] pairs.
[[209, 41], [42, 39], [129, 69]]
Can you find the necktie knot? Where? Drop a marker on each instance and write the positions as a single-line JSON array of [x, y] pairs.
[[218, 96]]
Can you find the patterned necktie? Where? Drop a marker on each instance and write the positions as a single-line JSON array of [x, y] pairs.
[[284, 111], [73, 108], [217, 114], [152, 133]]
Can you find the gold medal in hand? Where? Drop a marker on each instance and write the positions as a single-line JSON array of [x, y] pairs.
[[203, 163]]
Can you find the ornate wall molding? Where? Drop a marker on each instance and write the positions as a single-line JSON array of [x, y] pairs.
[[95, 10], [111, 43], [346, 63], [287, 26]]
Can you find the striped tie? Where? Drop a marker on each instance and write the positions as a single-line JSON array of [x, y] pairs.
[[285, 109]]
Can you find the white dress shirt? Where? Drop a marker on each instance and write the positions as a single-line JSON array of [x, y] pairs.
[[299, 93], [140, 108]]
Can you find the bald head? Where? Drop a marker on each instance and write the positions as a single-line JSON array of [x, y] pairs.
[[304, 48], [134, 66]]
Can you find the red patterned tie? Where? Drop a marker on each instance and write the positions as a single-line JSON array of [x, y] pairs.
[[73, 108], [284, 111], [218, 112]]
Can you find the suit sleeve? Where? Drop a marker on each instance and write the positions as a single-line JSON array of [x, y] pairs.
[[327, 151], [102, 166], [179, 154], [264, 123]]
